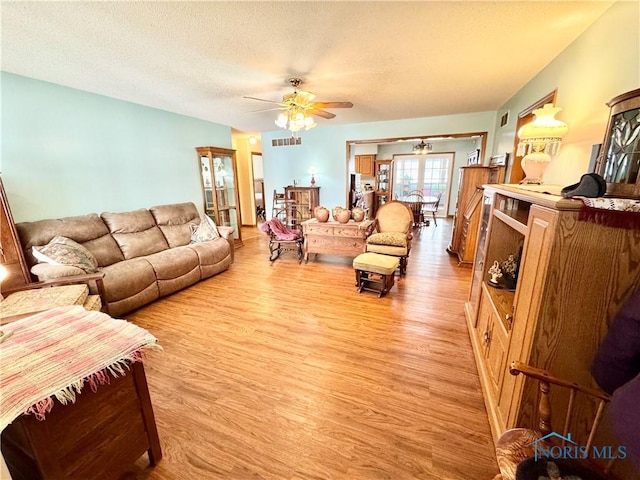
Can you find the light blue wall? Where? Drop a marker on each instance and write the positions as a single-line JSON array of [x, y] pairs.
[[68, 152], [600, 64], [325, 148]]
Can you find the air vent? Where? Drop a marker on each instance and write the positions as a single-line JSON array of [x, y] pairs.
[[504, 119], [286, 142]]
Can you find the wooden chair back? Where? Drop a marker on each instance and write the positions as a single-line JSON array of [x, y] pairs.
[[394, 216], [546, 380]]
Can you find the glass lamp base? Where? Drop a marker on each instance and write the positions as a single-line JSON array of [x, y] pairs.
[[534, 166]]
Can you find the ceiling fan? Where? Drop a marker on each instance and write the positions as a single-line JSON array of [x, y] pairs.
[[298, 106]]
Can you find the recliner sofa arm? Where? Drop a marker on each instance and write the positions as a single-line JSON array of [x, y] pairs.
[[226, 232]]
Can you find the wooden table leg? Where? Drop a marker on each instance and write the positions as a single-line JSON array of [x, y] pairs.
[[140, 379]]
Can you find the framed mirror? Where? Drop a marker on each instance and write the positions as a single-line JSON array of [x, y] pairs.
[[619, 159]]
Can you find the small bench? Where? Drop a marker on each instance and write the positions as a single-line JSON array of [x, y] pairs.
[[375, 272]]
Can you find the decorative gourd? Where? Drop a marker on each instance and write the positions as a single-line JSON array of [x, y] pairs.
[[321, 214], [358, 214], [334, 212], [344, 215]]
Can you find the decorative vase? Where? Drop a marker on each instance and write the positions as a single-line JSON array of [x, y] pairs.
[[358, 214], [334, 212], [321, 214], [344, 215]]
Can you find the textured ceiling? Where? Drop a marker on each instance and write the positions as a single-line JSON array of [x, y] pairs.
[[391, 59]]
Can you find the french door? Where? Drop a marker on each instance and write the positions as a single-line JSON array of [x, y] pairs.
[[429, 174]]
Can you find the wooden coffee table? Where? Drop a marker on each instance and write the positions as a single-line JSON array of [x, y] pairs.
[[335, 238]]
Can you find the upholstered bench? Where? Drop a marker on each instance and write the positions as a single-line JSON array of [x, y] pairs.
[[375, 272]]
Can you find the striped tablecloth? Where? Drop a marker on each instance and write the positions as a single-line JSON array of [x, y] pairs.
[[56, 353]]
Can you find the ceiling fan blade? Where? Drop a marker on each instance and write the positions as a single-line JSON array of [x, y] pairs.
[[332, 104], [320, 113], [261, 100], [266, 109]]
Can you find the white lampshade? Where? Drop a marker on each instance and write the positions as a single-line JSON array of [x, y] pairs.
[[539, 140]]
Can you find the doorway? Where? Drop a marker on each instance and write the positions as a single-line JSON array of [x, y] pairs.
[[516, 174], [385, 149], [258, 186]]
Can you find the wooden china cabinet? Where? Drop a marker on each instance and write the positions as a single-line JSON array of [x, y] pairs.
[[219, 180], [574, 276], [619, 159], [382, 175], [301, 203], [468, 208]]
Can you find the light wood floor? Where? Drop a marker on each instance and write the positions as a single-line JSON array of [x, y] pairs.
[[284, 371]]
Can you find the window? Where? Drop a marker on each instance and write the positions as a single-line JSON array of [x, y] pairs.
[[430, 174]]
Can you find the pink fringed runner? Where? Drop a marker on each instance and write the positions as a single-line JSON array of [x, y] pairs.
[[53, 353]]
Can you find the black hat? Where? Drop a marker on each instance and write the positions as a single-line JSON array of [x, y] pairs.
[[590, 185]]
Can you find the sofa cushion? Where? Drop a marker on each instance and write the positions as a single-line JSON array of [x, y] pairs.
[[173, 263], [128, 278], [105, 249], [175, 221], [175, 269], [211, 252], [136, 233], [64, 251], [82, 229], [214, 256]]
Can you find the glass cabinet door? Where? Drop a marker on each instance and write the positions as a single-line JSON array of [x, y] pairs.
[[207, 185], [219, 186]]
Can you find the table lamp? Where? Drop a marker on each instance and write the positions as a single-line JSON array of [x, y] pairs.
[[538, 141]]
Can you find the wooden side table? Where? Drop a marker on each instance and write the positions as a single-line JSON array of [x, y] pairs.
[[111, 424], [335, 238], [99, 436]]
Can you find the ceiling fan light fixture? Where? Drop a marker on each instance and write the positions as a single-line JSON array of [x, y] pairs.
[[282, 120], [298, 108], [295, 119]]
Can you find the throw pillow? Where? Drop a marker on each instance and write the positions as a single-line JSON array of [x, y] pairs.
[[64, 251], [395, 239], [205, 231]]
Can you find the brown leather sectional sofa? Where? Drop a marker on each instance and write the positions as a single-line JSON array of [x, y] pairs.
[[144, 254]]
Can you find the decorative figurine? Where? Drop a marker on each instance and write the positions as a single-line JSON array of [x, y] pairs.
[[495, 273]]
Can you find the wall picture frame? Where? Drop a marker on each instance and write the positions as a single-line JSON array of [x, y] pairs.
[[499, 160], [473, 158]]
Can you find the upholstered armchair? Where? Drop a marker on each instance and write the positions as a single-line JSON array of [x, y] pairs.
[[392, 232]]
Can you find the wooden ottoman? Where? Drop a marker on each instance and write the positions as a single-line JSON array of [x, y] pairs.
[[375, 272]]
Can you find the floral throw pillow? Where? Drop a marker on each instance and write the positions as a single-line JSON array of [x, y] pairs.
[[395, 239], [64, 251], [205, 231]]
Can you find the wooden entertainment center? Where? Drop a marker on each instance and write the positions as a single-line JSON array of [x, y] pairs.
[[574, 276]]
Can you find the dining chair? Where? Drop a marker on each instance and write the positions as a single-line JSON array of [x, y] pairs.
[[414, 200], [432, 208]]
